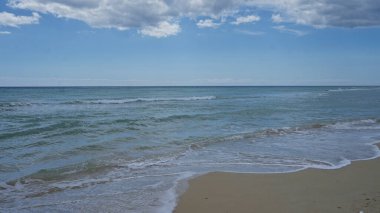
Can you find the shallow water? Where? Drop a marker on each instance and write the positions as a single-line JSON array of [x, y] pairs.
[[124, 149]]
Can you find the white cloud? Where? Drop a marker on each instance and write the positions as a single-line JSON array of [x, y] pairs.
[[277, 18], [163, 29], [11, 20], [246, 19], [154, 15], [282, 28], [207, 23], [250, 33], [5, 32]]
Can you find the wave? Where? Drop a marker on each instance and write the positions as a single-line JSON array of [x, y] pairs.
[[364, 124], [172, 118], [53, 180], [352, 89], [42, 130], [76, 176], [9, 106], [204, 142], [70, 173], [356, 124], [14, 104], [132, 100]]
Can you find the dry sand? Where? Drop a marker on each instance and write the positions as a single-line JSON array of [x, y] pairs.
[[354, 188]]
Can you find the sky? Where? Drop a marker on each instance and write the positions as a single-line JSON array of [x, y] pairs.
[[189, 42]]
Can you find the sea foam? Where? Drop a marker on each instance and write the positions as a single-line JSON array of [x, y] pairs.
[[132, 100]]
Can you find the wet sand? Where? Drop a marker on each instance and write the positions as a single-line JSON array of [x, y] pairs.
[[354, 188]]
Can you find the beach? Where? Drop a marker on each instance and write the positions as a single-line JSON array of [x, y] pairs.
[[354, 188]]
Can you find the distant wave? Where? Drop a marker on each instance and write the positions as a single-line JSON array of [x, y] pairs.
[[131, 100], [352, 89], [13, 104], [62, 125], [8, 106]]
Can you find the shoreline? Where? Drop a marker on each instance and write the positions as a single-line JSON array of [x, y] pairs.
[[352, 188]]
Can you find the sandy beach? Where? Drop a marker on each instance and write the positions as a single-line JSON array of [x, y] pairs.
[[354, 188]]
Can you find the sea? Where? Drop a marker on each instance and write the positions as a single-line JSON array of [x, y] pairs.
[[132, 149]]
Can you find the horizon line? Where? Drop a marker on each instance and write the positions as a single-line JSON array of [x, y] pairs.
[[67, 86]]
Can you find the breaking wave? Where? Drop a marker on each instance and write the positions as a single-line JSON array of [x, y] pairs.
[[352, 89], [364, 124], [132, 100]]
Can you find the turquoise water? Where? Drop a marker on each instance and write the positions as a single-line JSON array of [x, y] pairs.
[[125, 149]]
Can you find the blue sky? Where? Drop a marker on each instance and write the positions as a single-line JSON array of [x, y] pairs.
[[195, 42]]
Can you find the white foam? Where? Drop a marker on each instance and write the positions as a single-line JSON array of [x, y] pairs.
[[170, 197], [358, 125], [144, 163], [14, 104], [131, 100], [344, 162], [351, 89], [79, 183]]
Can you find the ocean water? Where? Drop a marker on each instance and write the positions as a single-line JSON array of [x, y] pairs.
[[129, 149]]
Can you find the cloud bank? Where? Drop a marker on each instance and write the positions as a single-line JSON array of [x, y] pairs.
[[161, 18]]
